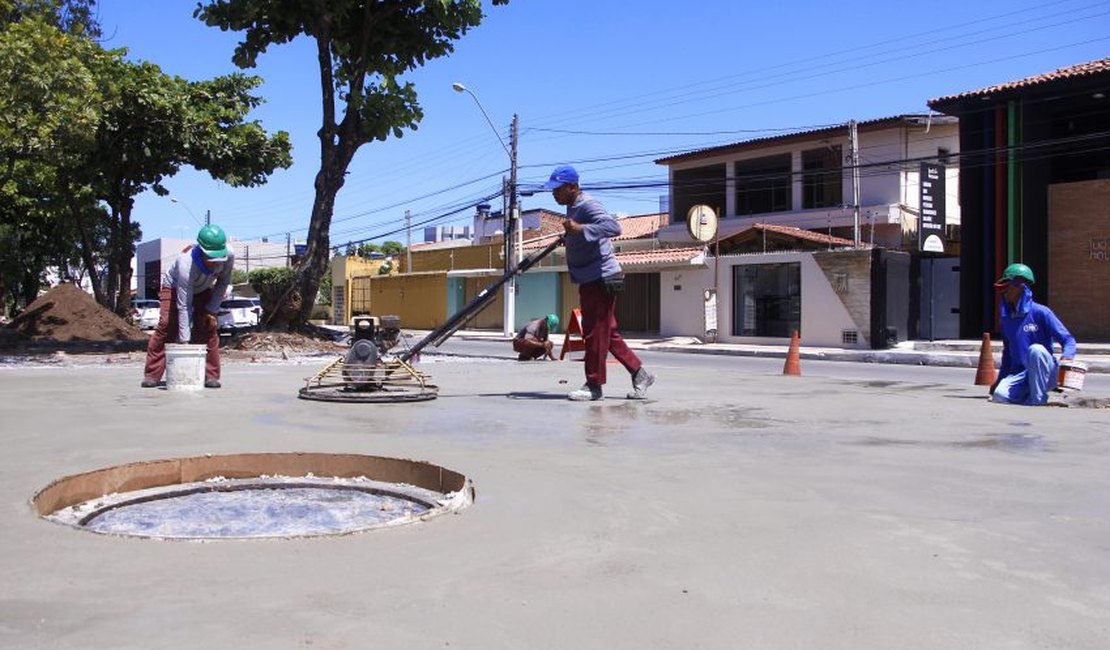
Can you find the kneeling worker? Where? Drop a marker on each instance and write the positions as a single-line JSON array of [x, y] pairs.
[[192, 289], [533, 342], [1028, 371]]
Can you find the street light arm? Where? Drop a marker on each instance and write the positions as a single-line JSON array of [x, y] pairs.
[[184, 205], [463, 89]]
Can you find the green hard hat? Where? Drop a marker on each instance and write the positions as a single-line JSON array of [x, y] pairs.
[[1017, 271], [552, 322], [213, 242]]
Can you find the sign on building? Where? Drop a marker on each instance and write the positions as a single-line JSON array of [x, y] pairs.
[[930, 232]]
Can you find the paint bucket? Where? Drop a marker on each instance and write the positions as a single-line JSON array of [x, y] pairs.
[[1072, 374], [185, 366]]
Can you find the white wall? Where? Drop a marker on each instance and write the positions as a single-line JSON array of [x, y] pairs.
[[249, 255], [681, 310]]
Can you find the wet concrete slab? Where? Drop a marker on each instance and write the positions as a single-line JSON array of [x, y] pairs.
[[732, 510]]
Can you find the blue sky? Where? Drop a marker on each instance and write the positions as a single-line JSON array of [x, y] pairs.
[[604, 85]]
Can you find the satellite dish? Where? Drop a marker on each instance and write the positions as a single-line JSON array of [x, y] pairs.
[[701, 223]]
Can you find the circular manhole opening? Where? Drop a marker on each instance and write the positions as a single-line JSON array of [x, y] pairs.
[[252, 496]]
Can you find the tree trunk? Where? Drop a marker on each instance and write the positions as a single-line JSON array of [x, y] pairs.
[[89, 261], [111, 276], [338, 144], [123, 253], [311, 269]]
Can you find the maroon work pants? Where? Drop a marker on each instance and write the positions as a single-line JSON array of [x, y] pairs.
[[599, 329], [204, 331]]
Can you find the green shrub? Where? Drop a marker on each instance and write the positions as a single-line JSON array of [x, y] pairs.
[[281, 302]]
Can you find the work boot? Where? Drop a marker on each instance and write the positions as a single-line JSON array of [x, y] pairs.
[[149, 383], [640, 382], [211, 383], [588, 393]]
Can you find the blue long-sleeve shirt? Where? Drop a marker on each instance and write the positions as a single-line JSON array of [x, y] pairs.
[[589, 254], [1027, 323]]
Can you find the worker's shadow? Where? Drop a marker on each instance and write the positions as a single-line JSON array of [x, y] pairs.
[[529, 395]]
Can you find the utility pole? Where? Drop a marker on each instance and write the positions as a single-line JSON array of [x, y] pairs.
[[853, 139], [208, 217], [288, 251], [512, 225], [408, 241]]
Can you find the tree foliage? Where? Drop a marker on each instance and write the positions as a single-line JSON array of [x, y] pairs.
[[48, 108], [83, 131], [154, 124], [363, 49], [281, 302], [390, 247], [74, 17]]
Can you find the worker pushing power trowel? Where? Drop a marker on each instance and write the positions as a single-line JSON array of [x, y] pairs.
[[365, 374]]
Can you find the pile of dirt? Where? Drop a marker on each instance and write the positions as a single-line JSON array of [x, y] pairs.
[[284, 342], [66, 314]]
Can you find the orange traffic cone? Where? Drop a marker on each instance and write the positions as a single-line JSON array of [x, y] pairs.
[[986, 373], [793, 364]]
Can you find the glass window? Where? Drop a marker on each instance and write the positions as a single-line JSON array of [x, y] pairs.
[[697, 186], [822, 181], [763, 185], [766, 299]]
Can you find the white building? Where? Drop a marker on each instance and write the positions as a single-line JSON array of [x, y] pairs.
[[805, 180], [788, 228]]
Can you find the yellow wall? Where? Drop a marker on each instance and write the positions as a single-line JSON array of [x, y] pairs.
[[493, 315], [485, 256], [420, 300], [344, 268]]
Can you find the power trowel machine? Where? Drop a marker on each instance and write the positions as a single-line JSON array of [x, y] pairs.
[[368, 372]]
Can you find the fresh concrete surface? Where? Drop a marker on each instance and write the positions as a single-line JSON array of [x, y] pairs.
[[734, 511]]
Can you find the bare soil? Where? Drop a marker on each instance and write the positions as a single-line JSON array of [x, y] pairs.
[[67, 314], [68, 321]]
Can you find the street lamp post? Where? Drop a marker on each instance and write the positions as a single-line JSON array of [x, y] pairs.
[[207, 213], [512, 220]]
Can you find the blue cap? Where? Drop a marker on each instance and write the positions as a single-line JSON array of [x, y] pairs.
[[562, 175]]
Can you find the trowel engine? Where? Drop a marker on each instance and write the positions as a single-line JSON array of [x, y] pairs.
[[371, 338]]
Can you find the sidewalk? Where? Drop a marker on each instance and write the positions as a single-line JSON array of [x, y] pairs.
[[954, 353]]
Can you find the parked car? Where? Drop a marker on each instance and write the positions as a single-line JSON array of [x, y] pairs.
[[145, 312], [238, 314]]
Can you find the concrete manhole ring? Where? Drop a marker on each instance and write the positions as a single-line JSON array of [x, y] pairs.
[[254, 496]]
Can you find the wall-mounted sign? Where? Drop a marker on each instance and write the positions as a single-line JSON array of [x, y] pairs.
[[930, 231], [701, 223]]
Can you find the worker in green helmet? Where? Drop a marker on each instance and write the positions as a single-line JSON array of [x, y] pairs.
[[1028, 370], [192, 289], [533, 341]]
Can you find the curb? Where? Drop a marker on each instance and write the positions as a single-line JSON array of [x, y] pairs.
[[960, 356]]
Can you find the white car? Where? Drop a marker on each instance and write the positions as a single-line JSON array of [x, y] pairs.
[[238, 314], [146, 312]]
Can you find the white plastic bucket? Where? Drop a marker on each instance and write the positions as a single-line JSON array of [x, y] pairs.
[[1072, 374], [185, 366]]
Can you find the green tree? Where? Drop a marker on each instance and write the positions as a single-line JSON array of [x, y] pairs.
[[74, 17], [82, 131], [48, 108], [279, 307], [153, 124], [363, 48], [392, 248]]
